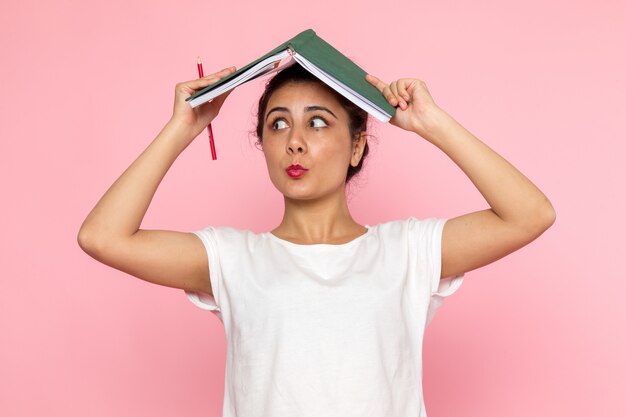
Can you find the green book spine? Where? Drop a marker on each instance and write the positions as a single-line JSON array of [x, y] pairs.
[[333, 62]]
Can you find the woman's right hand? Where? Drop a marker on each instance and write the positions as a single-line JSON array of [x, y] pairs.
[[195, 120]]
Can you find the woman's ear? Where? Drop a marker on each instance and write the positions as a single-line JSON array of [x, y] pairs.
[[357, 149]]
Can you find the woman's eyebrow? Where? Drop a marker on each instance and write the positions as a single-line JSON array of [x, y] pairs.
[[285, 109], [306, 109], [313, 108]]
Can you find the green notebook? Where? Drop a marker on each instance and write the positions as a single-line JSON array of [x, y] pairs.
[[319, 58]]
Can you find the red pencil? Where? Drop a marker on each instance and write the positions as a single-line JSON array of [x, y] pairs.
[[210, 129]]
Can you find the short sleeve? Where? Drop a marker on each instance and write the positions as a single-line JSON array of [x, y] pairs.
[[202, 300], [429, 233]]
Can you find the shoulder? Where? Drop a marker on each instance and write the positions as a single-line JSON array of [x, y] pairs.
[[229, 236], [412, 226]]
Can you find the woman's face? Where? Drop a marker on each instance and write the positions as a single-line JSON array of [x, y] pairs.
[[305, 124]]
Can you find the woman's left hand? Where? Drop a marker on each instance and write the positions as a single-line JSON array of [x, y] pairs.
[[416, 110]]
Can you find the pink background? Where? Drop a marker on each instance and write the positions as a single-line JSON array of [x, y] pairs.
[[87, 85]]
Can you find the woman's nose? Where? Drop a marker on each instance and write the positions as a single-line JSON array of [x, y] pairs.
[[295, 148], [296, 142]]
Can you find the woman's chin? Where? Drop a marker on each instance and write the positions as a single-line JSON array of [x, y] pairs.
[[296, 192], [308, 194], [298, 196]]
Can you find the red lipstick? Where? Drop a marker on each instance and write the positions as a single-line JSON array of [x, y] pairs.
[[295, 170]]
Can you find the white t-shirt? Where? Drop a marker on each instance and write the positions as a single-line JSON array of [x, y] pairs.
[[325, 330]]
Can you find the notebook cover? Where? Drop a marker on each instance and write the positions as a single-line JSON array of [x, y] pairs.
[[327, 58], [241, 70]]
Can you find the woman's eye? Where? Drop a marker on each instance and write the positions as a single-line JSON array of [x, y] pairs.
[[279, 124], [318, 122]]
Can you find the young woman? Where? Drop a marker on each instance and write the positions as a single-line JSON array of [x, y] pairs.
[[323, 316]]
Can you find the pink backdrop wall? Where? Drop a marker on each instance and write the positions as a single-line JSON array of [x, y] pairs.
[[87, 85]]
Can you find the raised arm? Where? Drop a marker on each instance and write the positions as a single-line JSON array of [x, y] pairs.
[[519, 212], [111, 232]]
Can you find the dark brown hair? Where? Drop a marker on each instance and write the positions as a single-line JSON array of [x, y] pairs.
[[296, 74]]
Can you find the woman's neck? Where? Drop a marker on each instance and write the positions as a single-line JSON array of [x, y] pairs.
[[325, 220]]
